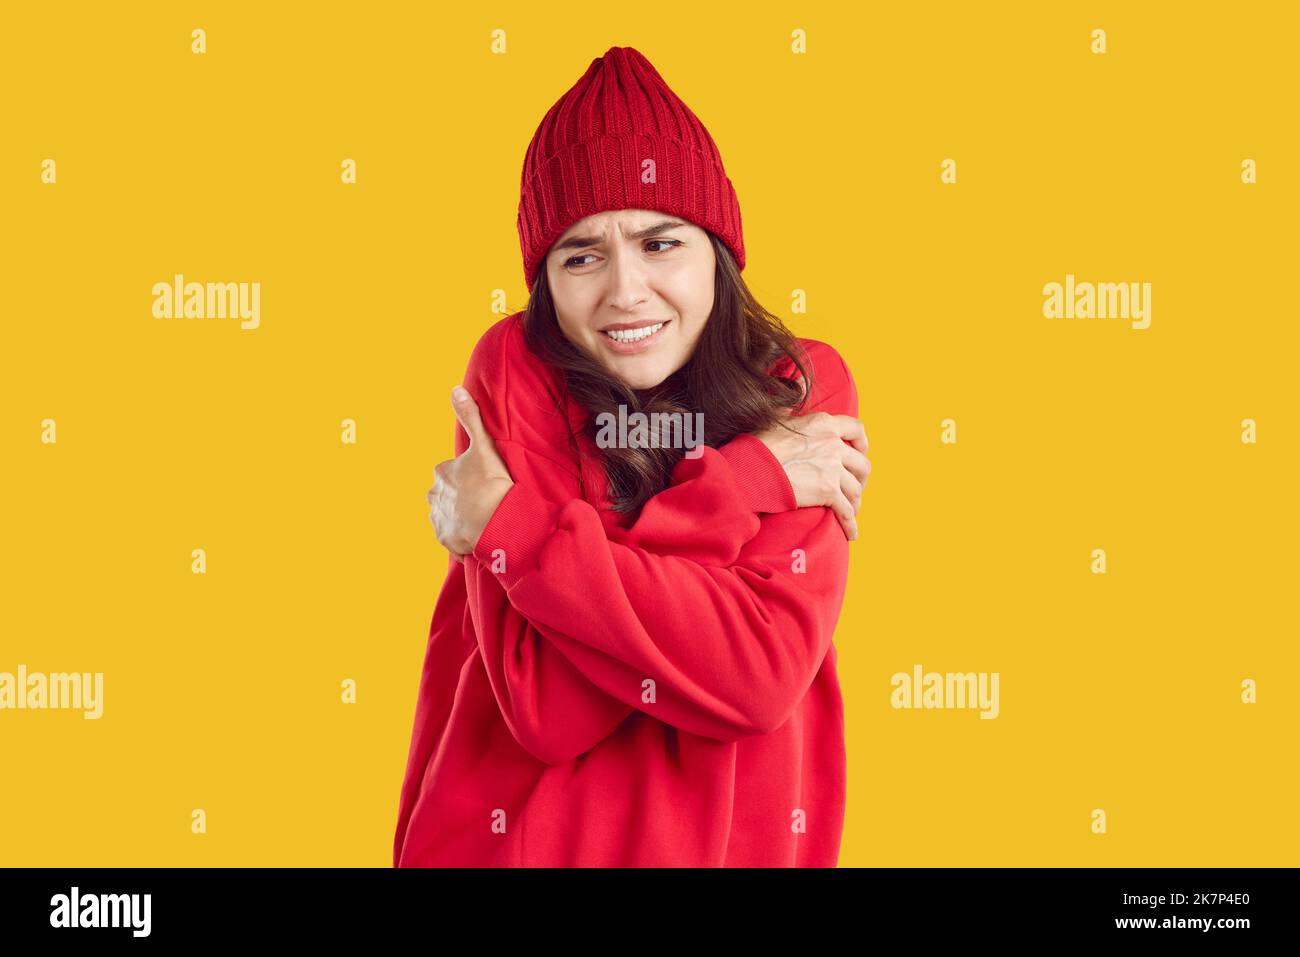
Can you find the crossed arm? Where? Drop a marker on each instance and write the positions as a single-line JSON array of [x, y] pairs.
[[713, 612]]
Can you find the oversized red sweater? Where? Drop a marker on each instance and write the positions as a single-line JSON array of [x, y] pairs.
[[605, 689]]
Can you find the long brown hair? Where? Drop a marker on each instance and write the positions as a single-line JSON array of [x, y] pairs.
[[726, 379]]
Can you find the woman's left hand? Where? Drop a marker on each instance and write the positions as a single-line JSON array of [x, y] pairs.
[[467, 489]]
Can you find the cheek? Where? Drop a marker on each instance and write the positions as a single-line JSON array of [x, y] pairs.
[[571, 313], [571, 328], [695, 288], [692, 299], [583, 338], [576, 300]]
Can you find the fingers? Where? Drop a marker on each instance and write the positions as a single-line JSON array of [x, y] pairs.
[[857, 463], [857, 467], [466, 409], [852, 430], [438, 509], [443, 540], [844, 512], [851, 489], [439, 475]]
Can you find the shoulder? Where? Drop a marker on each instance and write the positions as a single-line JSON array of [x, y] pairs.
[[833, 387], [500, 348], [508, 381]]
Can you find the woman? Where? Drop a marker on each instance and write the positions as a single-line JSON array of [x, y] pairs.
[[630, 662]]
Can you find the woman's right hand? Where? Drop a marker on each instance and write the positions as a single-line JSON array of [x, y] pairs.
[[823, 468]]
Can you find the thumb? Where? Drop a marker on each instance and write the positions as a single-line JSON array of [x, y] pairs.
[[466, 409]]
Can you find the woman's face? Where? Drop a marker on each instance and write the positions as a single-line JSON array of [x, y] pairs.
[[633, 269]]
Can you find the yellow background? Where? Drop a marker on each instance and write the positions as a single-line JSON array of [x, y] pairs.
[[222, 691]]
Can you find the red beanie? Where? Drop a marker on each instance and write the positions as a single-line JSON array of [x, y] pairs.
[[588, 155]]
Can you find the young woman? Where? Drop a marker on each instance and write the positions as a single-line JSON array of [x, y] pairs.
[[630, 662]]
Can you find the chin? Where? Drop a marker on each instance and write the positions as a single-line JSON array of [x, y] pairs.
[[641, 382], [640, 378]]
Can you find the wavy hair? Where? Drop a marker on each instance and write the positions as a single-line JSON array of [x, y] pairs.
[[726, 378]]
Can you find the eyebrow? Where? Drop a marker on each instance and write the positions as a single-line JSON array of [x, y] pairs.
[[578, 242]]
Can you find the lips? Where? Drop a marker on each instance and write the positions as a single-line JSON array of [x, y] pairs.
[[618, 326], [631, 341]]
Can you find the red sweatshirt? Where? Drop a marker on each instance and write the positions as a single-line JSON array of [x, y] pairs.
[[614, 690]]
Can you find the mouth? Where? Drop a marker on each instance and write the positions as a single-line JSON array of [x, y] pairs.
[[628, 338]]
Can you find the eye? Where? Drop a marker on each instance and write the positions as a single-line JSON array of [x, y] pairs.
[[572, 261]]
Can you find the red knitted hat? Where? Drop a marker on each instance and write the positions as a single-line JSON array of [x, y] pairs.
[[589, 155]]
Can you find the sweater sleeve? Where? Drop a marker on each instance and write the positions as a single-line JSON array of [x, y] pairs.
[[552, 708], [719, 636]]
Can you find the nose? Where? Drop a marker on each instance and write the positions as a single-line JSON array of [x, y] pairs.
[[627, 286]]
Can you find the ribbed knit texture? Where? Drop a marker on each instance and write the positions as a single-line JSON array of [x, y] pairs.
[[589, 151]]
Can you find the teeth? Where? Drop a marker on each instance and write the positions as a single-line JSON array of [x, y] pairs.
[[633, 335]]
